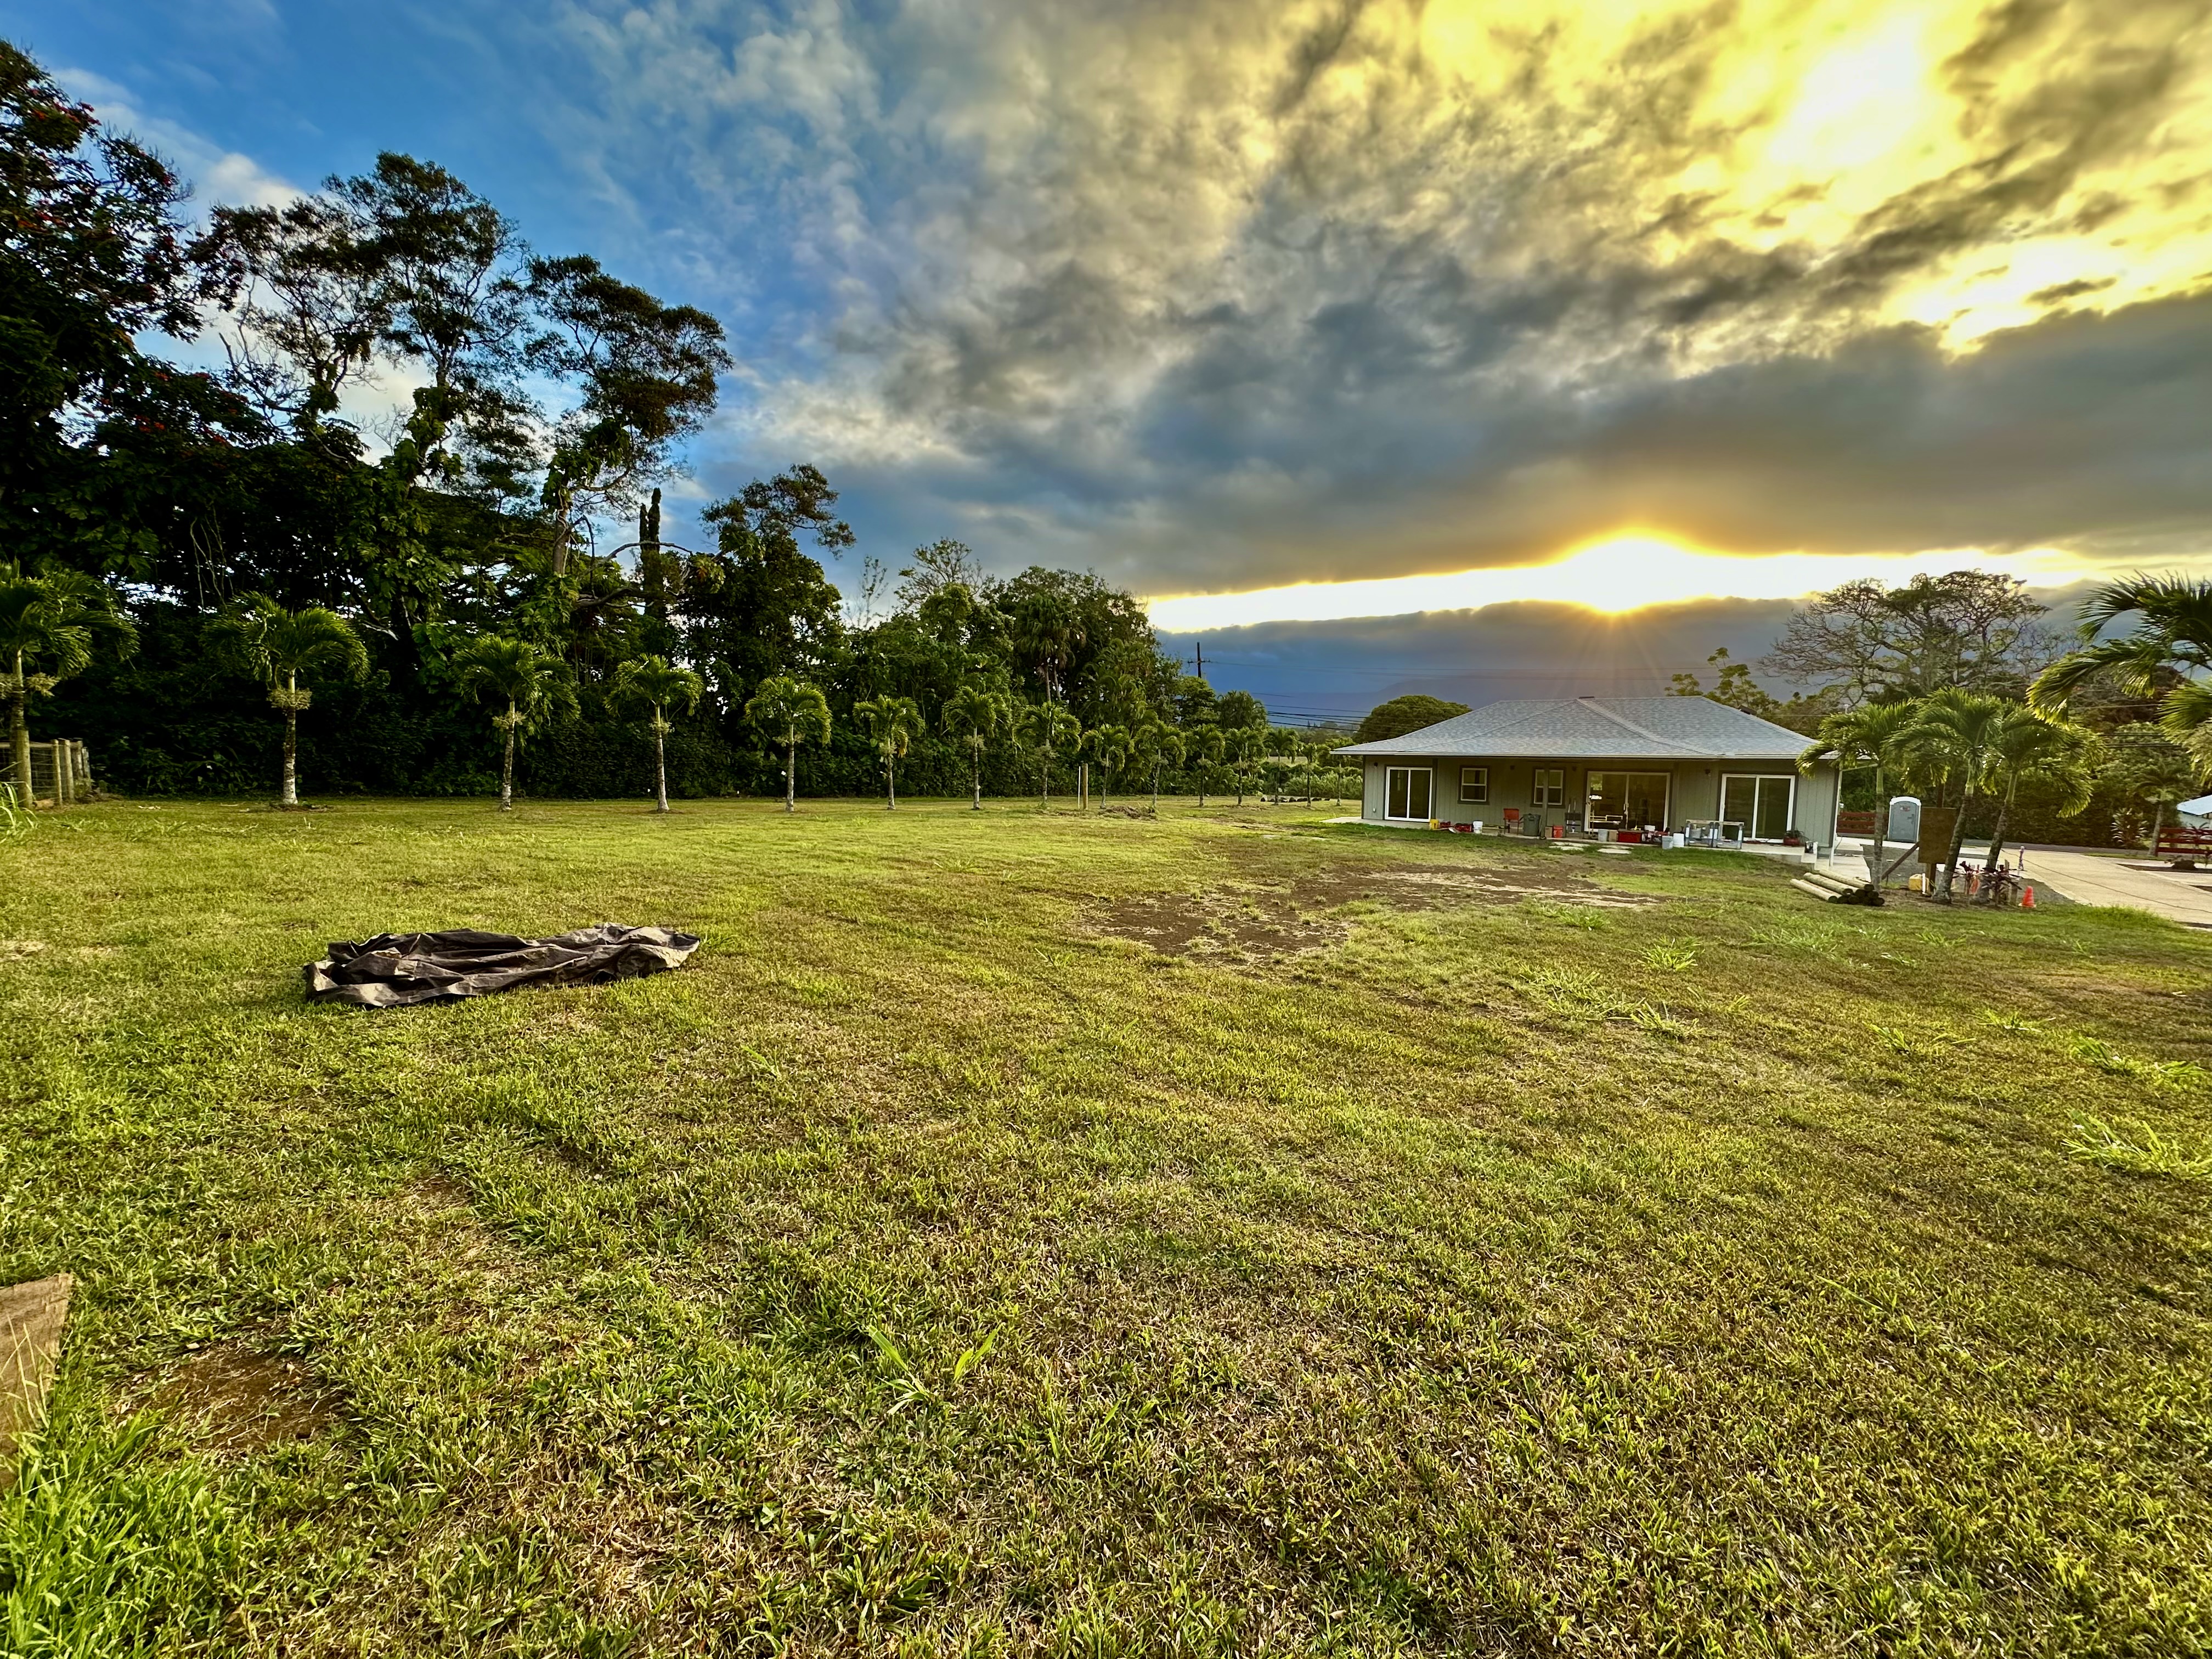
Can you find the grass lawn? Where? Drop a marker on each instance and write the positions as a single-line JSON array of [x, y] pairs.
[[1018, 1233]]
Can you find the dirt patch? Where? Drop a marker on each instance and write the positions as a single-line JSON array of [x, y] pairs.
[[12, 950], [237, 1400], [1239, 920]]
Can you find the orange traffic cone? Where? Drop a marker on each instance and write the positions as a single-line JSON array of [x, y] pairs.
[[2028, 898]]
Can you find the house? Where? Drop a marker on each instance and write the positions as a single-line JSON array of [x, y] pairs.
[[1600, 764]]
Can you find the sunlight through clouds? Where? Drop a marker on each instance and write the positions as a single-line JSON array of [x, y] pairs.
[[1620, 573]]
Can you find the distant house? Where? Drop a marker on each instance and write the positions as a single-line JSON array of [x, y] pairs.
[[1615, 763]]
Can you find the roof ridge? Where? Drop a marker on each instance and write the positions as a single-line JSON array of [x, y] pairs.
[[1598, 707]]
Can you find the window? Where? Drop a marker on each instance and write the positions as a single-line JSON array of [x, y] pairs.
[[1405, 794], [1628, 801], [1474, 785], [1547, 788], [1763, 805]]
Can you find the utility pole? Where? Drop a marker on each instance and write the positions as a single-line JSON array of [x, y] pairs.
[[1201, 659]]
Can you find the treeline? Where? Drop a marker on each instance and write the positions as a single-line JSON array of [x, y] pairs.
[[215, 577]]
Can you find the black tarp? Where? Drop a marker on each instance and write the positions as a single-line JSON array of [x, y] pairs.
[[394, 970]]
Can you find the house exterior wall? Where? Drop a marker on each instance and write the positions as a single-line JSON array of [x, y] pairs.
[[1693, 792]]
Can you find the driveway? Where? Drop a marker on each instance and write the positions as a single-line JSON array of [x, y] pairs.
[[2181, 895]]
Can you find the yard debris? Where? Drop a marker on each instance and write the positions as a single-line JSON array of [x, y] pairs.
[[395, 970]]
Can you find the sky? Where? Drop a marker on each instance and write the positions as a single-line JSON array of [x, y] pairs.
[[1512, 348]]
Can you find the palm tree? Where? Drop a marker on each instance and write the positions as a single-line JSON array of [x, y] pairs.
[[976, 714], [284, 646], [1956, 737], [2043, 750], [660, 684], [1159, 743], [53, 621], [1245, 742], [1857, 739], [791, 712], [893, 724], [528, 679], [1204, 745], [2174, 631], [1109, 745], [1048, 728]]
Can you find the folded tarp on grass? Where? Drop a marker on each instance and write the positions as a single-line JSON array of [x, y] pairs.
[[394, 970]]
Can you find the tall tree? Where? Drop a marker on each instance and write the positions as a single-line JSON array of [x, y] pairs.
[[49, 628], [975, 715], [658, 685], [305, 314], [791, 712], [1963, 631], [892, 724], [1394, 719], [759, 603], [268, 642], [648, 373], [530, 680]]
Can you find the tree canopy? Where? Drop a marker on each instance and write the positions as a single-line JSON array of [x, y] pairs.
[[1400, 715]]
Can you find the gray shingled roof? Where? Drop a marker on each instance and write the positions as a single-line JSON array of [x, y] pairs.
[[1599, 728]]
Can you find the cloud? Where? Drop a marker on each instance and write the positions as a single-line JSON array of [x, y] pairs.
[[1222, 294], [216, 174]]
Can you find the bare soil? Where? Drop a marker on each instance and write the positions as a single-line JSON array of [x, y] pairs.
[[237, 1400], [1252, 920]]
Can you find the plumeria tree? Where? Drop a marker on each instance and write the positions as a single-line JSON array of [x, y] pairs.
[[975, 715], [49, 628], [892, 724], [791, 712], [530, 680], [1048, 729], [284, 648], [658, 685]]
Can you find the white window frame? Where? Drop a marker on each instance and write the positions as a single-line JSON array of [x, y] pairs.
[[1390, 772], [1542, 794], [1481, 795], [1666, 815], [1751, 825]]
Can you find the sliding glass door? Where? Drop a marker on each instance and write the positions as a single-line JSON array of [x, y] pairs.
[[1761, 805], [1407, 791]]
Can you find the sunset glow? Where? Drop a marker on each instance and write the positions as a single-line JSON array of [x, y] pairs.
[[1619, 573]]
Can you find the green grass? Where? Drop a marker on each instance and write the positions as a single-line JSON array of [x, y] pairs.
[[922, 1270]]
